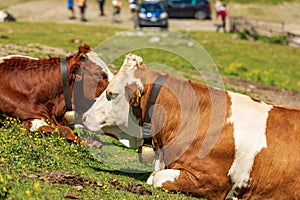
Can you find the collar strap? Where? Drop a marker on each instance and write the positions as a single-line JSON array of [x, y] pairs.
[[65, 81], [146, 129]]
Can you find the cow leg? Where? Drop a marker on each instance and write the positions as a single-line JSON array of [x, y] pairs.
[[184, 181], [68, 134], [158, 178], [41, 125]]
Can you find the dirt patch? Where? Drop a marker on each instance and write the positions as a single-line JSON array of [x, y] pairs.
[[266, 93], [132, 187], [12, 49], [79, 182], [288, 13], [63, 177]]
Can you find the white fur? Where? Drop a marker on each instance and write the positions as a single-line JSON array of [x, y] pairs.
[[36, 124], [160, 177], [249, 119], [3, 15], [97, 60], [16, 56], [116, 115]]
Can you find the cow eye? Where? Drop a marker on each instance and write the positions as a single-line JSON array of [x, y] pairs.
[[83, 58]]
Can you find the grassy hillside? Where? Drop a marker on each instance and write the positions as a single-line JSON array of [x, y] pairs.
[[28, 159], [270, 64]]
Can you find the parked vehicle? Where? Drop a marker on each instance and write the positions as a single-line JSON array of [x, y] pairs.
[[152, 14], [199, 9]]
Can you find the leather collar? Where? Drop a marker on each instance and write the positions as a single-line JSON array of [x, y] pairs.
[[146, 129], [65, 81]]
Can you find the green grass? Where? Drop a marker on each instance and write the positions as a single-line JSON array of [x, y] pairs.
[[25, 155], [55, 35]]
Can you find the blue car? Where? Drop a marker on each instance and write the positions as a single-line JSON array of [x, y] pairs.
[[152, 14], [198, 9]]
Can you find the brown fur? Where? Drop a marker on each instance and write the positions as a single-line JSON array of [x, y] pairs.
[[192, 132], [32, 89]]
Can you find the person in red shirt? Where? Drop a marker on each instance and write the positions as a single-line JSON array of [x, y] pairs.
[[222, 13]]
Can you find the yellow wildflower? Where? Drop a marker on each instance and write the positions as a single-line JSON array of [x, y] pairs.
[[8, 177], [36, 186], [28, 192], [2, 159]]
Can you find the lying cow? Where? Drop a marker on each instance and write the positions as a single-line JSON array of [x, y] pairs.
[[37, 90], [214, 144]]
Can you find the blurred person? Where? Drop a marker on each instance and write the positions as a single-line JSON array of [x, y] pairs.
[[117, 5], [218, 5], [101, 7], [82, 4], [132, 7], [71, 9], [222, 13]]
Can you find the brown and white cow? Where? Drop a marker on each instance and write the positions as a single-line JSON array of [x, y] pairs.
[[215, 144], [32, 88]]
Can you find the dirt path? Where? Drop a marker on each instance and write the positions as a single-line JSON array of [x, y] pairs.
[[56, 11]]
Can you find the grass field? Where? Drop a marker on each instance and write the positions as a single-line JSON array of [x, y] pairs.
[[25, 156], [269, 64]]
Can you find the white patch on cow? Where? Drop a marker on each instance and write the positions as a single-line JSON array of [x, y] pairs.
[[150, 179], [17, 56], [98, 61], [3, 16], [2, 59], [36, 124], [116, 115], [99, 115], [163, 176], [126, 76], [103, 116], [249, 119]]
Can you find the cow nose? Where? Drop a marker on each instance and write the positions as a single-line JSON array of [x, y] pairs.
[[110, 95]]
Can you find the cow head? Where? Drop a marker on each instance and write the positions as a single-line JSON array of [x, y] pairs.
[[117, 115], [91, 79]]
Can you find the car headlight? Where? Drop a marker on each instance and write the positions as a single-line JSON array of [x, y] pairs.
[[142, 15], [163, 15]]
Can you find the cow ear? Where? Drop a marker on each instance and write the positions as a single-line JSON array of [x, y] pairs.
[[135, 98]]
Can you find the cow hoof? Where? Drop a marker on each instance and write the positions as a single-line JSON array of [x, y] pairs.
[[67, 133]]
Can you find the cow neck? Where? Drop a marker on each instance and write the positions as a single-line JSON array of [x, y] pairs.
[[65, 81], [146, 129]]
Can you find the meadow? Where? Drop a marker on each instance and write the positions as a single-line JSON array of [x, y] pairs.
[[26, 158]]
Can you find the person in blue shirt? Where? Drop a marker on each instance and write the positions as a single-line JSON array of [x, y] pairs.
[[71, 9]]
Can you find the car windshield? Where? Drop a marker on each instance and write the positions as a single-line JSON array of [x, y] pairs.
[[151, 8]]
